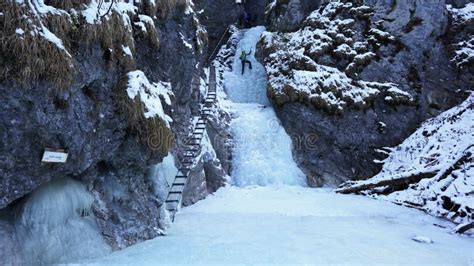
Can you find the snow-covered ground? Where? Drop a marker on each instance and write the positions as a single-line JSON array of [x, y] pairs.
[[442, 150], [296, 225], [270, 217]]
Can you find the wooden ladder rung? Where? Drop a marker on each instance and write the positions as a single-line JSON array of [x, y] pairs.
[[193, 144]]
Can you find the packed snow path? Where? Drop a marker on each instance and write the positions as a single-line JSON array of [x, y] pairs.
[[270, 217]]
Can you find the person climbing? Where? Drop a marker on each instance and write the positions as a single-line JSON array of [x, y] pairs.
[[243, 59]]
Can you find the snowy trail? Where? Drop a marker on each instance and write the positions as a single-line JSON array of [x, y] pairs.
[[269, 216]]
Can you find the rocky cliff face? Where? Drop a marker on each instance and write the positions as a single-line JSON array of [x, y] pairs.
[[216, 15], [354, 77], [78, 76], [287, 15]]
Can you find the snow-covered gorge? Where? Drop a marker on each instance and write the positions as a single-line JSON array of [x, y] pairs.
[[271, 217], [354, 78]]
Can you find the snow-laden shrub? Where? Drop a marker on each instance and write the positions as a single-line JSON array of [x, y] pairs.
[[141, 102], [29, 49], [39, 38]]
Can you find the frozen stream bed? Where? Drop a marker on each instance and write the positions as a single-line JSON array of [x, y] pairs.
[[297, 225]]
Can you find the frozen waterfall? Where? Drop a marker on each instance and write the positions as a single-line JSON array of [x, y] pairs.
[[263, 150], [56, 226]]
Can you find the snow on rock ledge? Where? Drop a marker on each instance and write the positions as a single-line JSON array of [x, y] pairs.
[[464, 17], [433, 169], [320, 63], [150, 94]]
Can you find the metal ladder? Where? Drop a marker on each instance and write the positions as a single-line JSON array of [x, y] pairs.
[[193, 149]]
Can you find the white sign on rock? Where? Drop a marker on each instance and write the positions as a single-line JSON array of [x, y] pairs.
[[54, 157]]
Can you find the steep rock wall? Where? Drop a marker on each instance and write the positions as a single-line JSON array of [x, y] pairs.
[[398, 53], [68, 70]]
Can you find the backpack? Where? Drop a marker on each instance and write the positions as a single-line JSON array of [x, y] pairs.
[[243, 56]]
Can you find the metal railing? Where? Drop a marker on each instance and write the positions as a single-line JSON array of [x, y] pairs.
[[218, 45]]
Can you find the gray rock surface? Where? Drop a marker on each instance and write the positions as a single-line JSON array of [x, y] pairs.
[[256, 11], [86, 120], [216, 16], [342, 147], [287, 15]]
